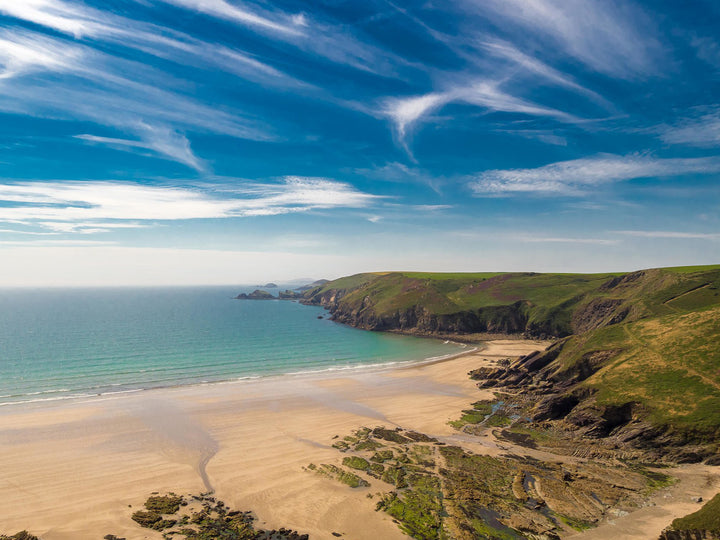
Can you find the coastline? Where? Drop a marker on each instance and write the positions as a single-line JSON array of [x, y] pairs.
[[71, 468], [308, 372], [80, 469]]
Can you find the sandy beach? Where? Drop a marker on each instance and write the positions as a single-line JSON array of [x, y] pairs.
[[79, 469]]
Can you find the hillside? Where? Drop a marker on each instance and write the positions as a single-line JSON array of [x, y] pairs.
[[537, 305], [635, 364]]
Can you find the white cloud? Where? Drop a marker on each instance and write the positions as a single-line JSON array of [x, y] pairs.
[[573, 177], [405, 112], [89, 207], [533, 65], [671, 235], [707, 49], [399, 172], [61, 16], [326, 40], [82, 21], [238, 13], [162, 140], [611, 38], [703, 131], [111, 92], [566, 240], [23, 52], [544, 135]]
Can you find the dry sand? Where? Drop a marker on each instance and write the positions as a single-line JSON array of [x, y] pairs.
[[78, 470]]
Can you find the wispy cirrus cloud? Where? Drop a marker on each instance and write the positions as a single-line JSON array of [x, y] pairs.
[[22, 53], [401, 173], [518, 64], [163, 141], [255, 18], [536, 66], [574, 177], [95, 206], [81, 22], [565, 240], [407, 112], [72, 81], [679, 235], [611, 38], [62, 16], [321, 38], [702, 130]]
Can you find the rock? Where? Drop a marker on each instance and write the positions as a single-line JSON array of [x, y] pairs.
[[257, 294]]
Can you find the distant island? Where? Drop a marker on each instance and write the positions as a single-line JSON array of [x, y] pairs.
[[257, 294], [287, 294]]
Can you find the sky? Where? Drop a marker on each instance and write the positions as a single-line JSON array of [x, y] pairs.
[[179, 142]]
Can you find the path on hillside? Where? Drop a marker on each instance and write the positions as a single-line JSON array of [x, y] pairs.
[[643, 343]]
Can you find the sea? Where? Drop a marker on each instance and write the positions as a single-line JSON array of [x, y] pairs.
[[60, 344]]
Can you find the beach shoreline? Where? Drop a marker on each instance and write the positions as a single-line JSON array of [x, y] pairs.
[[79, 469], [311, 372]]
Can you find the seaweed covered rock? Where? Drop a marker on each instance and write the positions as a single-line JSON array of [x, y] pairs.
[[22, 535], [204, 517]]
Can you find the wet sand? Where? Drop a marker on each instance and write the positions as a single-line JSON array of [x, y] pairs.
[[80, 469]]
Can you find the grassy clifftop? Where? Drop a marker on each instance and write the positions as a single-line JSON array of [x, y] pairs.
[[511, 303]]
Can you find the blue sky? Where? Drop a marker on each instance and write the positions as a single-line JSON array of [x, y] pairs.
[[219, 141]]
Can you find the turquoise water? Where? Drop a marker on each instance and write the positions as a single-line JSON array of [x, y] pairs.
[[59, 344]]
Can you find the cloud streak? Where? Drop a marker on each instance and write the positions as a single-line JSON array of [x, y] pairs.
[[677, 235], [702, 131], [613, 39], [407, 112], [89, 207], [77, 82], [161, 140], [574, 177]]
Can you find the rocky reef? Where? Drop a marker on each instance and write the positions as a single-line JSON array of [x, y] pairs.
[[436, 490], [22, 535], [203, 517]]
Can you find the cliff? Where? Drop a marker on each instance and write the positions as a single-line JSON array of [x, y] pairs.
[[530, 304], [635, 361]]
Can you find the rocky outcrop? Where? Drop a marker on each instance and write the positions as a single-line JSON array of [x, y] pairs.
[[689, 535], [509, 319], [257, 294], [599, 312], [555, 397]]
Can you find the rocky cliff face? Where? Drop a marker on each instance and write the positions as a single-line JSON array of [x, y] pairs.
[[510, 319], [502, 320], [556, 399]]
